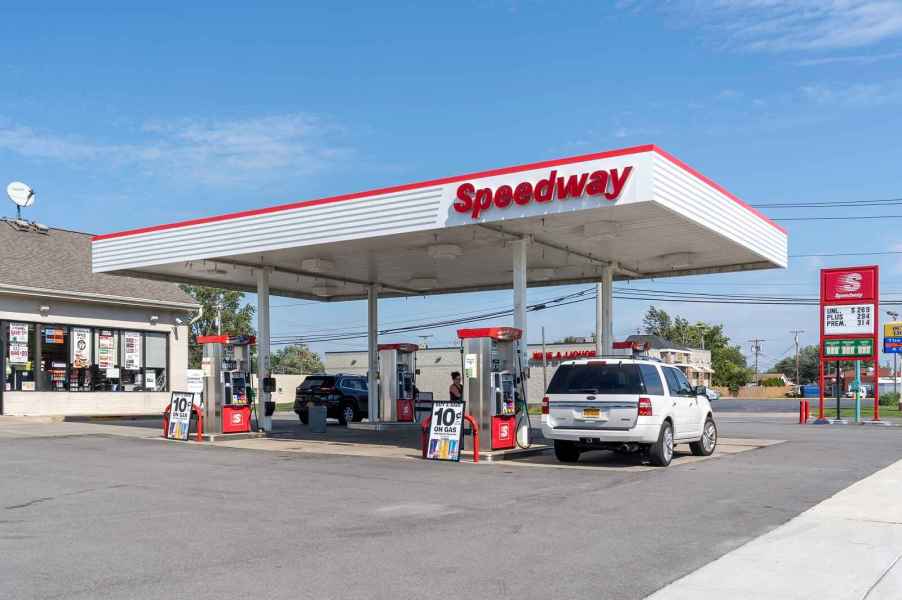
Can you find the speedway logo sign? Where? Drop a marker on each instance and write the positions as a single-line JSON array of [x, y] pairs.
[[607, 184], [849, 284]]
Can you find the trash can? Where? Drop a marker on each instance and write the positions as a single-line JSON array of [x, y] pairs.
[[317, 418]]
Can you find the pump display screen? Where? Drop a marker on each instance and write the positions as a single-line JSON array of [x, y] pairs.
[[597, 379]]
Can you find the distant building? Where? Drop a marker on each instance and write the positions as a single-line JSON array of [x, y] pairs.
[[73, 342], [693, 362], [437, 364]]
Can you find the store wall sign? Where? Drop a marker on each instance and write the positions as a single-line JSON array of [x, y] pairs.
[[849, 348], [557, 356], [849, 284], [844, 319], [608, 184]]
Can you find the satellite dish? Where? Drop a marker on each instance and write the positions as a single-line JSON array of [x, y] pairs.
[[20, 193]]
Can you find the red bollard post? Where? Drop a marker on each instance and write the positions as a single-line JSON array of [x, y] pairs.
[[801, 412], [166, 422]]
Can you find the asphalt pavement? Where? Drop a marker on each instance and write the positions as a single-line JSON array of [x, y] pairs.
[[90, 515]]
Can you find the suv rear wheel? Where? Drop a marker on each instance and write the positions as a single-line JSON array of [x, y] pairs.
[[565, 451], [661, 452], [304, 417], [347, 412], [706, 445]]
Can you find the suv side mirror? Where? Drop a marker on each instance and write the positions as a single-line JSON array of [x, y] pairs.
[[701, 390]]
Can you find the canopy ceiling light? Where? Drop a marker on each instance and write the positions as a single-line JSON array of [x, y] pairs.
[[604, 230], [445, 251], [423, 283], [540, 273], [677, 260], [323, 290], [317, 265]]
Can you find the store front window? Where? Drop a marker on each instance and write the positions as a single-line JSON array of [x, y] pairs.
[[132, 360], [155, 362], [54, 358], [105, 370], [80, 359], [59, 358], [20, 356]]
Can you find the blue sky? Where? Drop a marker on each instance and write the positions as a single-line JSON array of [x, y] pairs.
[[123, 117]]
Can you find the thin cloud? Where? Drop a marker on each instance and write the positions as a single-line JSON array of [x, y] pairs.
[[857, 59], [860, 95], [788, 25], [208, 151]]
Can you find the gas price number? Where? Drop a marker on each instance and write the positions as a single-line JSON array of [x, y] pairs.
[[445, 430], [848, 318]]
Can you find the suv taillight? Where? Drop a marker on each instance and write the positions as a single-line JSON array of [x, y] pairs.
[[645, 407], [545, 405]]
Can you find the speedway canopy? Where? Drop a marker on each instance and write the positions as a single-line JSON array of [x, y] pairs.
[[638, 210]]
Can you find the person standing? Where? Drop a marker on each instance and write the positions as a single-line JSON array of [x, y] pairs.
[[456, 390]]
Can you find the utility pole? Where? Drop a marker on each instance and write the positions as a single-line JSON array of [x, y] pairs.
[[796, 333], [756, 348]]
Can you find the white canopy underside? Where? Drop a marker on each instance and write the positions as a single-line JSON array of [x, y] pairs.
[[668, 221]]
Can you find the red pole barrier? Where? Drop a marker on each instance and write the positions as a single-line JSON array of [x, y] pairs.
[[801, 412], [166, 422], [475, 429], [200, 424], [807, 410], [424, 434]]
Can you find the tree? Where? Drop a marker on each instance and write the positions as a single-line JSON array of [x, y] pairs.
[[728, 361], [572, 339], [808, 369], [296, 360], [236, 319]]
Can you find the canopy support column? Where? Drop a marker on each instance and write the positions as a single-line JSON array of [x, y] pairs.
[[599, 319], [605, 312], [520, 247], [373, 353], [263, 347]]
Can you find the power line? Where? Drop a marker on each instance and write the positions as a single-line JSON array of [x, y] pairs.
[[828, 204], [849, 218], [877, 253]]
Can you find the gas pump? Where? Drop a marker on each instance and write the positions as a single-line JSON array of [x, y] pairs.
[[495, 386], [227, 366], [397, 381]]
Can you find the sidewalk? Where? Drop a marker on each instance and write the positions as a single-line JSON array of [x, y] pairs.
[[847, 547]]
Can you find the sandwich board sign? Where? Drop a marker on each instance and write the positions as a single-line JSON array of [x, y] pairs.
[[181, 407], [445, 431]]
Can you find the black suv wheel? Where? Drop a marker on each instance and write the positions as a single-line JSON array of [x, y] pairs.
[[347, 411]]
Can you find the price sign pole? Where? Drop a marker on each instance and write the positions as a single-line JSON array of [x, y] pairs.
[[850, 305]]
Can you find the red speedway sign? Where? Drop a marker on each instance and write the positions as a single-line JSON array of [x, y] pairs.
[[606, 183]]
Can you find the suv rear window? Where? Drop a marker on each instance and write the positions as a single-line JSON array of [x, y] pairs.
[[597, 379], [315, 382]]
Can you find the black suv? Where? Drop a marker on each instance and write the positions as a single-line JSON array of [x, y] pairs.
[[344, 396]]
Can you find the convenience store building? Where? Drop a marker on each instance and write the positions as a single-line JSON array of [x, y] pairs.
[[74, 342]]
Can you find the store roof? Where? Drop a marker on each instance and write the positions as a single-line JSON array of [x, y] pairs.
[[57, 262], [656, 342], [639, 210]]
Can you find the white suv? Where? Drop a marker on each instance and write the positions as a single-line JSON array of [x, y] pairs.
[[626, 405]]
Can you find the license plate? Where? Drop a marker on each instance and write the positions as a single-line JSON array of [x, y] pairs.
[[592, 413]]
